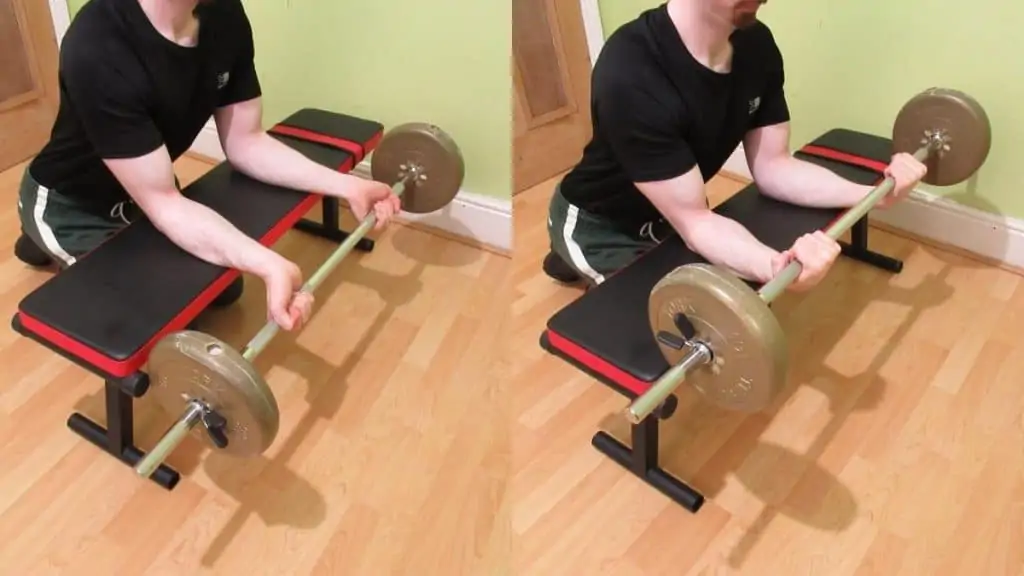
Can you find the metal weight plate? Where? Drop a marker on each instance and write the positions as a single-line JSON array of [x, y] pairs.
[[750, 361], [189, 365], [963, 125], [428, 153]]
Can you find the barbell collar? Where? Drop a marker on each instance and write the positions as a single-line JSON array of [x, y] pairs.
[[645, 404], [174, 436]]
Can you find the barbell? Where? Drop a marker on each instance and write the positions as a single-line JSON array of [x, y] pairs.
[[205, 381], [720, 336]]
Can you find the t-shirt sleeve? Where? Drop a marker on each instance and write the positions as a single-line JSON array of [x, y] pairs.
[[640, 132], [243, 82], [774, 109], [113, 110]]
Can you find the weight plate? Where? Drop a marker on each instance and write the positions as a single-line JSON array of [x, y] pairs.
[[189, 365], [964, 127], [430, 155], [750, 361]]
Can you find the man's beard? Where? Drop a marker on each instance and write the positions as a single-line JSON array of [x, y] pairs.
[[744, 20], [744, 17]]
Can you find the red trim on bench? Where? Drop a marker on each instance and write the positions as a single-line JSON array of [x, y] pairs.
[[130, 365], [356, 149], [597, 364], [845, 158]]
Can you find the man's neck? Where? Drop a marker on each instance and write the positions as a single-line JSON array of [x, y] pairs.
[[705, 34], [174, 19]]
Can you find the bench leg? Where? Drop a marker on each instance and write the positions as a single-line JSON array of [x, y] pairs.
[[118, 438], [857, 249], [331, 226], [642, 461]]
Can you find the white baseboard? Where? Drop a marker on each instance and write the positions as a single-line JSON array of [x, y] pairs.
[[476, 217], [928, 216], [990, 236]]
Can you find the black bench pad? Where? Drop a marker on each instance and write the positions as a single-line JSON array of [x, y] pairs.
[[111, 307], [606, 330]]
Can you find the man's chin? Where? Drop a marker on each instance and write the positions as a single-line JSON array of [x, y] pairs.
[[745, 20]]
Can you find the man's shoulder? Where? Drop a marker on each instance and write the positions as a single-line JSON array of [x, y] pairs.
[[625, 62], [96, 35]]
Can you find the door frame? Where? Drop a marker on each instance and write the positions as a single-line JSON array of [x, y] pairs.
[[591, 10], [61, 17]]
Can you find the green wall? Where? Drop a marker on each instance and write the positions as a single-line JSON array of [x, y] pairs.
[[440, 61], [853, 64]]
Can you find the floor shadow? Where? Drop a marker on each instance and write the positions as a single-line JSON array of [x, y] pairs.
[[704, 445]]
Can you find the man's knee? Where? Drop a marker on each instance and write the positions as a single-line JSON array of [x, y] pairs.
[[28, 251]]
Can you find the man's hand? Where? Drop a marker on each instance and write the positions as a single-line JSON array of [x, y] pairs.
[[816, 253], [908, 172], [286, 305], [366, 195]]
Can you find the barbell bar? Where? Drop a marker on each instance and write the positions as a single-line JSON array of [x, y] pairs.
[[720, 335], [206, 381]]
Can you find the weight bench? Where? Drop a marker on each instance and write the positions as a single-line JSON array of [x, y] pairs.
[[606, 334], [107, 311]]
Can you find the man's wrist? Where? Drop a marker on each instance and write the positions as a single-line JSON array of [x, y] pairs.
[[258, 260], [343, 186], [767, 270]]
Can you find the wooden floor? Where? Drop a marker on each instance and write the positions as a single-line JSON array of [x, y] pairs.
[[426, 433], [389, 459], [898, 449]]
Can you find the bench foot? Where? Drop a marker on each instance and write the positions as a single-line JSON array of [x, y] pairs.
[[330, 229], [857, 249], [118, 438], [642, 461]]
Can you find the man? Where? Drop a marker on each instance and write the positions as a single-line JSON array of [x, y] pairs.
[[138, 80], [674, 93]]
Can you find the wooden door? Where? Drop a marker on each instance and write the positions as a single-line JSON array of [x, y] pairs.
[[28, 79], [551, 99]]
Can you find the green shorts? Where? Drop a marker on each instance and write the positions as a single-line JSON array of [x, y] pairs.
[[66, 228], [596, 246]]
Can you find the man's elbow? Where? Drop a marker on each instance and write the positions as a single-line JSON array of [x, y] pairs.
[[691, 222], [766, 171], [238, 148]]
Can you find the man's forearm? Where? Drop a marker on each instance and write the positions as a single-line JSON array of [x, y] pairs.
[[206, 235], [263, 158], [795, 181], [726, 243]]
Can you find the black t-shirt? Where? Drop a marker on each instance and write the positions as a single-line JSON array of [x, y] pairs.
[[125, 90], [657, 112]]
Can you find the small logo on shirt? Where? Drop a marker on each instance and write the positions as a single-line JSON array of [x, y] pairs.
[[753, 105], [222, 79]]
